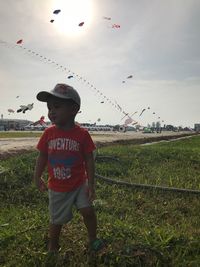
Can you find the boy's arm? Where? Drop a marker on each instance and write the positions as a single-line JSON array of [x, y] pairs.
[[90, 169], [39, 169]]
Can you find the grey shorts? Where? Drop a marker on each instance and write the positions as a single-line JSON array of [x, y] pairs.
[[61, 203]]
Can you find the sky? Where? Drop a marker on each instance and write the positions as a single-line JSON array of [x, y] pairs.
[[157, 43]]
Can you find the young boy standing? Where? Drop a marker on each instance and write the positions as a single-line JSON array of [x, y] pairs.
[[67, 150]]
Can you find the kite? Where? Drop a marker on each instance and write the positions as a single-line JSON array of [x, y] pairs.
[[107, 18], [24, 108], [128, 121], [98, 119], [129, 77], [148, 107], [19, 41], [11, 110], [56, 11], [70, 76], [154, 113], [17, 96], [142, 111], [116, 26], [52, 20], [40, 122], [47, 60], [134, 123], [81, 24]]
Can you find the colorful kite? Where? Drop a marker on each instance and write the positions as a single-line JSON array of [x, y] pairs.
[[128, 121], [19, 41], [81, 24], [115, 26]]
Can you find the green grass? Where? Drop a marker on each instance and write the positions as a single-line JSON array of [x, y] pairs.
[[19, 134], [142, 228], [175, 164]]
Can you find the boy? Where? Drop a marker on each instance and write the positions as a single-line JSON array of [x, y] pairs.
[[67, 149]]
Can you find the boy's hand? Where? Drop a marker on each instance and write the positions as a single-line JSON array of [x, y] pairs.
[[41, 185]]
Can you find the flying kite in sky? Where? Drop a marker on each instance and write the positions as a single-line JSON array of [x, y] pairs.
[[115, 26], [128, 121], [81, 24], [56, 11], [142, 111], [40, 122], [129, 77], [70, 76], [10, 110], [17, 96], [24, 108], [19, 41], [107, 18], [52, 20], [47, 60]]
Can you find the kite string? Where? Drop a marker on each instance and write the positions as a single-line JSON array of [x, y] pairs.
[[64, 69]]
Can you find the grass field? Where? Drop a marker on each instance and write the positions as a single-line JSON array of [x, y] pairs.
[[20, 134], [142, 228]]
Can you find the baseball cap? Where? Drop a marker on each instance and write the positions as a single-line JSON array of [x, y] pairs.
[[61, 90]]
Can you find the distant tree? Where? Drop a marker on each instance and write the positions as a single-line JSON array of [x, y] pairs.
[[158, 124], [169, 127]]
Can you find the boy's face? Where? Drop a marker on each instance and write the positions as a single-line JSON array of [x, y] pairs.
[[61, 112]]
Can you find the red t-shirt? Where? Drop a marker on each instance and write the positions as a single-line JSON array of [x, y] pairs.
[[66, 150]]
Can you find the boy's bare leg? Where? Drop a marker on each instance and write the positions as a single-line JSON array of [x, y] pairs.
[[90, 220], [54, 234]]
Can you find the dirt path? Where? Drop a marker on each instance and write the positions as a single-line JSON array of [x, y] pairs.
[[12, 146]]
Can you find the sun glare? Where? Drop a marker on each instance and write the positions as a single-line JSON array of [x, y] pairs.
[[73, 12]]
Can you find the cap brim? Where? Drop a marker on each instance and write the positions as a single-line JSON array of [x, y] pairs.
[[43, 96]]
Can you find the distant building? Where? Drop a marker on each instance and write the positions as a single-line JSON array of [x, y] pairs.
[[12, 124], [197, 127]]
